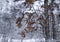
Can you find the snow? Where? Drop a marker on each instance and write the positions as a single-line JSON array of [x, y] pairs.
[[11, 30], [57, 1], [59, 24], [8, 18]]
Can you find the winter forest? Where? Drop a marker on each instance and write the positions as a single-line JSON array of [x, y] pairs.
[[29, 20]]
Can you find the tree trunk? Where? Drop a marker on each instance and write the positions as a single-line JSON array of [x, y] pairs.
[[46, 28], [53, 20]]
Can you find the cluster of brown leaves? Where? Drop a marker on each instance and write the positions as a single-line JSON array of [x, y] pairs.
[[47, 7], [30, 1], [28, 29], [18, 22], [30, 15], [23, 34], [29, 23]]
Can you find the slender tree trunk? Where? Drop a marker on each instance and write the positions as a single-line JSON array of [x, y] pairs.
[[46, 28], [53, 20]]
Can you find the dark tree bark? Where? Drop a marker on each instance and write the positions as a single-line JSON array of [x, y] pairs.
[[46, 28], [53, 20]]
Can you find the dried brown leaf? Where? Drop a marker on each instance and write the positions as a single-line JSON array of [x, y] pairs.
[[23, 34], [30, 1]]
